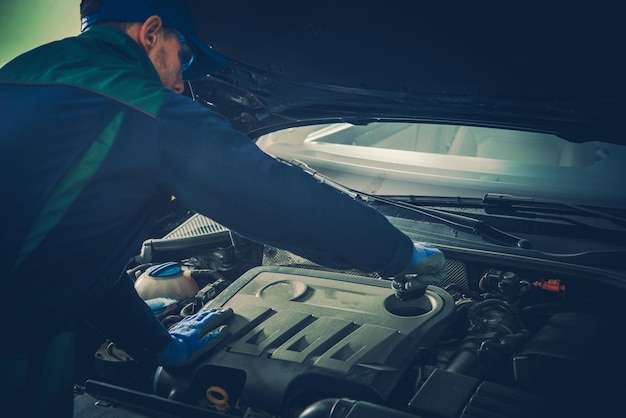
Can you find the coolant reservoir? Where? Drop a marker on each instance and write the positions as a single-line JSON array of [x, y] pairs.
[[166, 280]]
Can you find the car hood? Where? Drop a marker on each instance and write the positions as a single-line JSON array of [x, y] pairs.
[[543, 68]]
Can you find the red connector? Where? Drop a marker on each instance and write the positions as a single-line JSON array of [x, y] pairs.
[[551, 285]]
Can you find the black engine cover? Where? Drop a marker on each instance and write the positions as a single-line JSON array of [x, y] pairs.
[[298, 332]]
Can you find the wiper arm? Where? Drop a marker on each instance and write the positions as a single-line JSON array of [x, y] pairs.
[[466, 223], [499, 203], [476, 226]]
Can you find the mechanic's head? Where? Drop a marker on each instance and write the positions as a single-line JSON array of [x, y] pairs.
[[164, 29]]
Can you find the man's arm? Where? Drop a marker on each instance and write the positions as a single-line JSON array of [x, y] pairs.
[[221, 173], [123, 317]]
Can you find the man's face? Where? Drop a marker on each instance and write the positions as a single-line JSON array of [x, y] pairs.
[[165, 59]]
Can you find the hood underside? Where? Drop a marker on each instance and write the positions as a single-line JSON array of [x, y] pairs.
[[545, 68]]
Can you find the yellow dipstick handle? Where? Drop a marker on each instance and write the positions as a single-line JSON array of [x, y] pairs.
[[218, 397]]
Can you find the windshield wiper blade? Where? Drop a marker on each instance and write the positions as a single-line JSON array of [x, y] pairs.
[[476, 226], [466, 223], [501, 203]]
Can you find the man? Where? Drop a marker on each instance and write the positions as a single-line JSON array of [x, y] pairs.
[[95, 139]]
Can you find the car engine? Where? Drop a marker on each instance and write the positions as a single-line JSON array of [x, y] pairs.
[[499, 337]]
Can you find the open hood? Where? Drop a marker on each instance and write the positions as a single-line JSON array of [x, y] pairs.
[[545, 68]]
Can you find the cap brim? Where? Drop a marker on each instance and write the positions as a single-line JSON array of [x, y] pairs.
[[206, 61]]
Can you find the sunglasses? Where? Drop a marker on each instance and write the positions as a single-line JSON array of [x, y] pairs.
[[185, 54]]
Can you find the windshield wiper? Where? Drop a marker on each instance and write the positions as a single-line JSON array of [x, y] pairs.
[[466, 223], [507, 204]]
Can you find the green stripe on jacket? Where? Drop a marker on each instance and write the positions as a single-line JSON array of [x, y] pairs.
[[103, 60]]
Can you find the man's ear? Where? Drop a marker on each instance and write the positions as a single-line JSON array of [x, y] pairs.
[[149, 31]]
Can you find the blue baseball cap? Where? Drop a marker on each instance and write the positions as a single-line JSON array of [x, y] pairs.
[[174, 14]]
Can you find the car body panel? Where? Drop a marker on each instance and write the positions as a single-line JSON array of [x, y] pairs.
[[551, 68]]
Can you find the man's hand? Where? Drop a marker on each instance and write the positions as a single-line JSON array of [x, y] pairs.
[[427, 266], [194, 336]]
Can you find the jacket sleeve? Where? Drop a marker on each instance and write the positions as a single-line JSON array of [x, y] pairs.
[[124, 318], [219, 172]]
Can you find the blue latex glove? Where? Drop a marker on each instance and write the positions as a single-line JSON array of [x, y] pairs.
[[194, 336], [427, 266]]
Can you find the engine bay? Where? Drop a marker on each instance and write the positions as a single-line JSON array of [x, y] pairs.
[[494, 338]]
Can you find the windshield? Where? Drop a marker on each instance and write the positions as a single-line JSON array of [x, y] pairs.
[[452, 160]]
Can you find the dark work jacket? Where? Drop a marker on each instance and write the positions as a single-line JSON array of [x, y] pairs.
[[91, 151]]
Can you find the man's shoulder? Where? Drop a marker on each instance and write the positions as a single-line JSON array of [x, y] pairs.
[[107, 65]]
